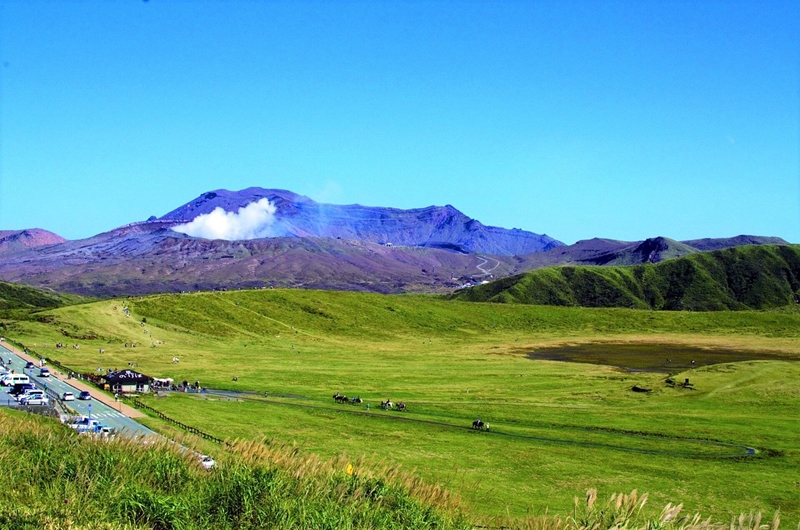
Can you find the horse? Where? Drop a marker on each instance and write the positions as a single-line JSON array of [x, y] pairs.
[[401, 406], [480, 425], [356, 400], [339, 398], [386, 405]]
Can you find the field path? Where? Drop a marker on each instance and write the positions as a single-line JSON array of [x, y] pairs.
[[736, 450]]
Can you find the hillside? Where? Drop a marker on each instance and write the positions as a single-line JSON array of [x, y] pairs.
[[452, 362], [65, 480], [16, 240], [22, 297], [747, 277], [150, 258]]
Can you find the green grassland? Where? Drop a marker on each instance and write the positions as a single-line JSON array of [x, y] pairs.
[[52, 477], [16, 299], [739, 278], [557, 429]]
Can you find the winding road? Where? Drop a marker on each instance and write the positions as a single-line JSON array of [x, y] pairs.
[[486, 272]]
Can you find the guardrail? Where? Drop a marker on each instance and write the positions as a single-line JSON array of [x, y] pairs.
[[188, 428]]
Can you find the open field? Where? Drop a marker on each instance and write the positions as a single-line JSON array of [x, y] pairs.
[[557, 429]]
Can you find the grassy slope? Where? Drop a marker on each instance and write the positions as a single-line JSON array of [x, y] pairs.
[[748, 277], [54, 478], [21, 297], [454, 361]]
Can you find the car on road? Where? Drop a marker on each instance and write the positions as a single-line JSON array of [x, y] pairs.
[[35, 397], [44, 372], [84, 424], [14, 379], [85, 395], [21, 388], [67, 396], [29, 364]]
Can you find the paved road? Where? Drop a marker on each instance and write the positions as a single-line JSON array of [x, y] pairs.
[[102, 407]]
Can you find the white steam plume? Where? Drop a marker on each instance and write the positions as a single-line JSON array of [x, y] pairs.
[[250, 222]]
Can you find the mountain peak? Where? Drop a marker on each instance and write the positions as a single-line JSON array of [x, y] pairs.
[[293, 215], [11, 240]]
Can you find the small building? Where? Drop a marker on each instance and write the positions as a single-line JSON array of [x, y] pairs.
[[128, 381]]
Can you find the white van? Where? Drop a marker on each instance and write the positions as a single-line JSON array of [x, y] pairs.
[[15, 379]]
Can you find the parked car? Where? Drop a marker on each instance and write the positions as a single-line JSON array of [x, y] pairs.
[[67, 396], [21, 388], [104, 431], [207, 462], [34, 398], [85, 395], [85, 424], [44, 372]]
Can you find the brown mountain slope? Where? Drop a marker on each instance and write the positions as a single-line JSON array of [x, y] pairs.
[[148, 258], [16, 240]]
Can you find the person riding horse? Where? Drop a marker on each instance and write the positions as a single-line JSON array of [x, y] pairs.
[[478, 424]]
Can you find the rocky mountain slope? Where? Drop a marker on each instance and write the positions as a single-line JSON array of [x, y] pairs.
[[150, 257], [311, 245], [15, 240], [432, 227]]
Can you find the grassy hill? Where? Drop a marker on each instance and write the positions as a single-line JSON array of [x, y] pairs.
[[21, 297], [748, 277], [558, 428]]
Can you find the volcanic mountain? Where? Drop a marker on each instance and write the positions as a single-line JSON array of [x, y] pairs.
[[302, 243], [312, 245], [432, 227]]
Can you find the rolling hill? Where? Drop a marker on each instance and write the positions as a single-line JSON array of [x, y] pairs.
[[22, 297], [748, 277]]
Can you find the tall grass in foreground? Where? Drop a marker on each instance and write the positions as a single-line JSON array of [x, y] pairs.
[[53, 478], [624, 511], [50, 477]]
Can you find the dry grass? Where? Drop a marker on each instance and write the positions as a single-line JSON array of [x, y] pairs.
[[624, 512]]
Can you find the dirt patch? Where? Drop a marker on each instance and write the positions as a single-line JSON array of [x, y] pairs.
[[651, 357]]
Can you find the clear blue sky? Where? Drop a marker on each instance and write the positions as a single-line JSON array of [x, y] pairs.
[[583, 119]]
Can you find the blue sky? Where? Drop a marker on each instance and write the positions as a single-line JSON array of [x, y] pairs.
[[623, 120]]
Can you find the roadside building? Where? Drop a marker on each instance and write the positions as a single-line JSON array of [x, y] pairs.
[[128, 381]]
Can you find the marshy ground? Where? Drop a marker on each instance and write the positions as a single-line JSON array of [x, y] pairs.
[[666, 358]]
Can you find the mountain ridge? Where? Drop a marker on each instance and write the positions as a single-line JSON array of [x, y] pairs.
[[431, 226], [387, 250], [735, 278]]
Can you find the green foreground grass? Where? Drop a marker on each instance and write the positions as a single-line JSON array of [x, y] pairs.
[[54, 478], [558, 429]]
